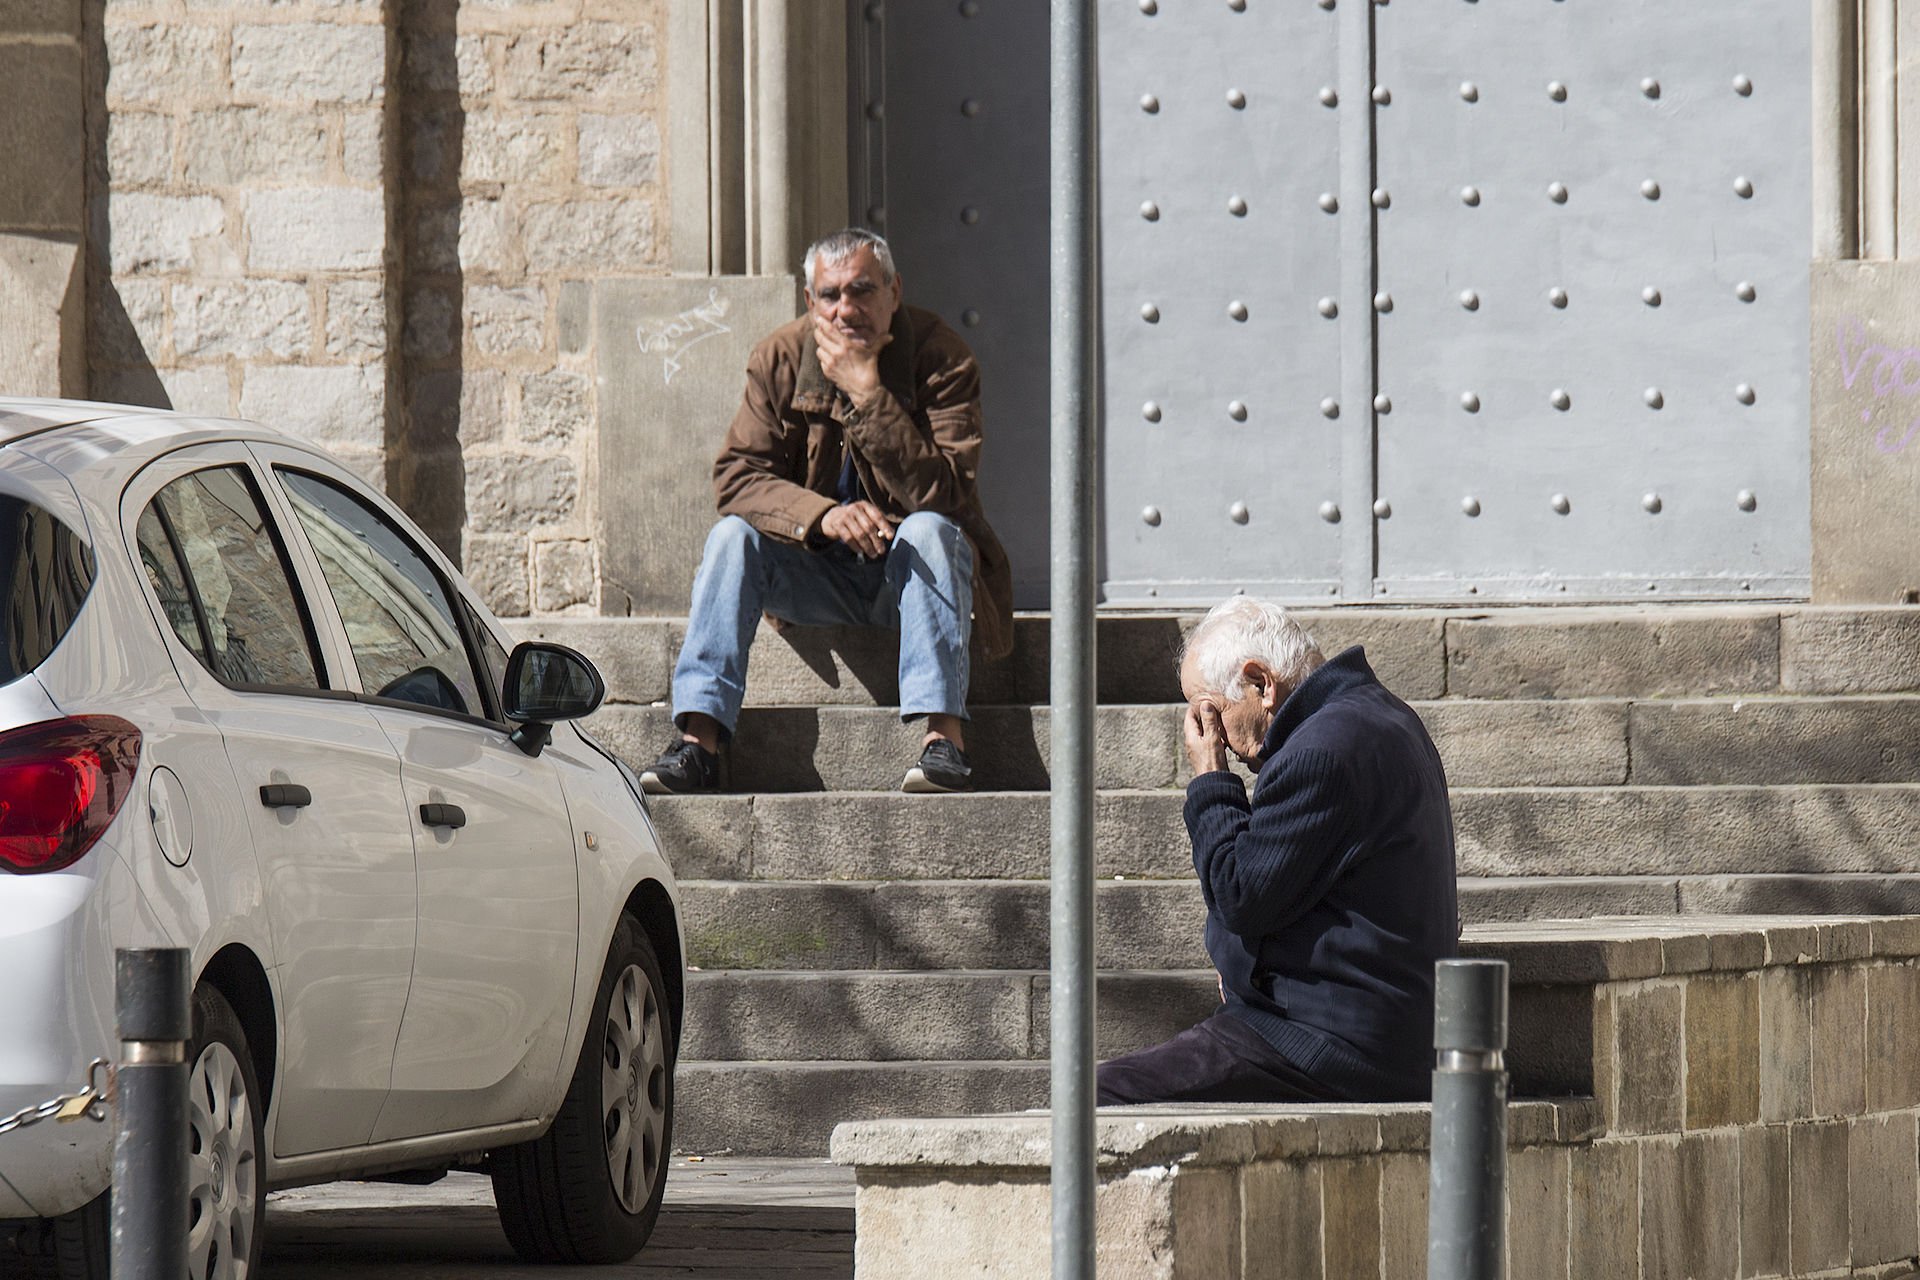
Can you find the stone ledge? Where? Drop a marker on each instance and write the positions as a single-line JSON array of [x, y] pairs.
[[1625, 948]]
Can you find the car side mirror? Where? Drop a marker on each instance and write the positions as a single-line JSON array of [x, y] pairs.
[[546, 683]]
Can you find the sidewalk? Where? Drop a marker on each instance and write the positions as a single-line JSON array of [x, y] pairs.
[[725, 1218]]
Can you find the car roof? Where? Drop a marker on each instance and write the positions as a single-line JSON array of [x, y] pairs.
[[107, 432]]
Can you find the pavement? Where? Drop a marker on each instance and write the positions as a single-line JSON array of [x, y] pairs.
[[724, 1218]]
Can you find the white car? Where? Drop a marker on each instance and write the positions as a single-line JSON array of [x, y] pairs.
[[248, 710]]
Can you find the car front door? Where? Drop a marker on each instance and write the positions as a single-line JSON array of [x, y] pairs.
[[316, 775], [494, 958]]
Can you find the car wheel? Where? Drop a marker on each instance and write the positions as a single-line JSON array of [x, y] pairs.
[[225, 1201], [589, 1189]]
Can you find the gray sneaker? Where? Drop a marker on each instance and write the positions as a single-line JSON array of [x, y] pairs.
[[942, 767]]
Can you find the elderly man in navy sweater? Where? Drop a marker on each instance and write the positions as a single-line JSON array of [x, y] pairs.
[[1329, 896]]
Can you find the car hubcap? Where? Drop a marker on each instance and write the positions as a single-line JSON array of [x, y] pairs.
[[633, 1090], [222, 1169]]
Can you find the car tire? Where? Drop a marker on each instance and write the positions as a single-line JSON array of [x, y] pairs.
[[589, 1189], [226, 1202]]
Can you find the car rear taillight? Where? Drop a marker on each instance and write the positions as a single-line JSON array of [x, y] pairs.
[[61, 782]]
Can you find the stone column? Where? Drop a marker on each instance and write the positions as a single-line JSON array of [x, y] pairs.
[[42, 199]]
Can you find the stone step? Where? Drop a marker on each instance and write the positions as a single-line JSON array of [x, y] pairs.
[[932, 925], [1526, 652], [1773, 739], [1517, 831], [901, 1016], [790, 1108]]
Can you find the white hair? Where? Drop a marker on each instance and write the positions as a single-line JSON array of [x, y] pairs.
[[837, 246], [1241, 629]]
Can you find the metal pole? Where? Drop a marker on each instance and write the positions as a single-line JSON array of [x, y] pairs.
[[1467, 1201], [153, 1012], [1075, 306]]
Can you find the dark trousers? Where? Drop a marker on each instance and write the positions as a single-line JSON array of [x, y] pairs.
[[1219, 1060]]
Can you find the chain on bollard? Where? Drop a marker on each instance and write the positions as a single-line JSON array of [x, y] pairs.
[[1467, 1194], [89, 1103]]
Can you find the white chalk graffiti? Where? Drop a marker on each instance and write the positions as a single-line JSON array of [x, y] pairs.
[[688, 329]]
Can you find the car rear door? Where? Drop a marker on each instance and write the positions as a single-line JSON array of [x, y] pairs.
[[317, 776], [487, 1013]]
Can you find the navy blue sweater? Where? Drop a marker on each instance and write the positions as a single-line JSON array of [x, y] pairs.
[[1331, 894]]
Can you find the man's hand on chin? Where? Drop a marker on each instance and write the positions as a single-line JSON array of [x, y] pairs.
[[1205, 737], [850, 362]]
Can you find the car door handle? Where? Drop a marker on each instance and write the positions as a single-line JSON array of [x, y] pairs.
[[443, 815], [285, 795]]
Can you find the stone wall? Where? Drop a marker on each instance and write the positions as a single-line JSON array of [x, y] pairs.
[[1750, 1108], [375, 225]]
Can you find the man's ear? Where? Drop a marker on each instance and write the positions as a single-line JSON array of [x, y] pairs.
[[1264, 682]]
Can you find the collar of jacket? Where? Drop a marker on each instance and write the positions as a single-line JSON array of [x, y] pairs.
[[813, 393], [1335, 676]]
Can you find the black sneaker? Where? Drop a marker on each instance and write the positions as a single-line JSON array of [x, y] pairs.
[[683, 767], [941, 767]]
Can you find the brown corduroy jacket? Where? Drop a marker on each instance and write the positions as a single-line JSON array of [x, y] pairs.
[[917, 448]]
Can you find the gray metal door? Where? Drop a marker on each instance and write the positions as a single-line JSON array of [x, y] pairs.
[[1439, 299]]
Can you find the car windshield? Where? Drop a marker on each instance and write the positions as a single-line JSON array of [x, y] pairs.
[[45, 572]]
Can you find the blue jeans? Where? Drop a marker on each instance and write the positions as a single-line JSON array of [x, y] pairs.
[[923, 588]]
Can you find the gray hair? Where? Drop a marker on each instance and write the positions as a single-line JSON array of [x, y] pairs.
[[837, 246], [1242, 628]]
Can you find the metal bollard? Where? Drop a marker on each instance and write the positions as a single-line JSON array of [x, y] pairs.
[[1467, 1199], [153, 1010]]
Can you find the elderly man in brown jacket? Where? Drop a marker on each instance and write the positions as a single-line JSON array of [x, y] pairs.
[[847, 494]]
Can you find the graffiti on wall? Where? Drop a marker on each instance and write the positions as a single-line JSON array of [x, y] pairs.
[[673, 338], [1893, 377]]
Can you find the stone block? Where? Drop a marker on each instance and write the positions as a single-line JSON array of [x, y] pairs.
[[556, 406], [1406, 648], [1784, 740], [139, 149], [593, 236], [506, 321], [1501, 899], [1497, 744], [901, 1218], [1133, 1009], [777, 926], [562, 574], [1850, 650], [315, 229], [1612, 653], [1662, 1209], [512, 146], [864, 1017], [1648, 1023], [619, 151], [1798, 894], [1861, 470], [1839, 1040], [309, 62], [1281, 1222], [520, 491], [1350, 1199], [706, 837], [1893, 1036], [581, 62], [1709, 1170], [253, 319], [662, 413], [1537, 1191], [40, 18], [362, 148], [432, 323], [1723, 1050], [1603, 1220], [1817, 1205], [43, 323], [329, 405], [1883, 1159], [43, 145], [1550, 1040], [496, 565], [129, 321], [152, 233], [482, 407], [1004, 924], [167, 64], [573, 315], [1764, 1180], [1786, 1043], [487, 243], [1403, 1217], [206, 389], [243, 146], [356, 327]]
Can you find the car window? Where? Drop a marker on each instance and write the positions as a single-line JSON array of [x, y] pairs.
[[45, 574], [399, 616], [223, 582]]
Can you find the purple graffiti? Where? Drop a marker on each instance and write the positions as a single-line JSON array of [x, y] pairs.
[[1896, 371]]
